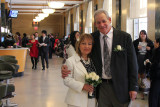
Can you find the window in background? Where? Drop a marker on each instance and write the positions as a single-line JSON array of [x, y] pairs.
[[107, 5], [76, 23], [139, 24], [68, 25], [88, 27]]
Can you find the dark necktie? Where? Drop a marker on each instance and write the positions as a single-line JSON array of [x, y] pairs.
[[107, 57]]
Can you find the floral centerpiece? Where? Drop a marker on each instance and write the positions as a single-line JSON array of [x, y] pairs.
[[94, 80]]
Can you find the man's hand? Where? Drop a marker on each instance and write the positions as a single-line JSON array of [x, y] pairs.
[[133, 95], [65, 71]]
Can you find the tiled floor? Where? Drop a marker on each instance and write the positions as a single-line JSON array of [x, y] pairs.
[[39, 88]]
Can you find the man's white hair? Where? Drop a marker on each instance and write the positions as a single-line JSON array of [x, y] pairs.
[[99, 12]]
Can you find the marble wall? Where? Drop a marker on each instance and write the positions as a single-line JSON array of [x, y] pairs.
[[157, 19], [151, 19]]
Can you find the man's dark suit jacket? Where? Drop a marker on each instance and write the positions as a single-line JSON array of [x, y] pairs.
[[46, 41], [124, 68]]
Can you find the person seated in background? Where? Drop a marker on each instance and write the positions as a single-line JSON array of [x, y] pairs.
[[154, 94], [24, 40], [59, 48], [8, 41]]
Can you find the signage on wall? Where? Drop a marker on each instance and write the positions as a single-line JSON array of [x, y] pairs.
[[35, 24]]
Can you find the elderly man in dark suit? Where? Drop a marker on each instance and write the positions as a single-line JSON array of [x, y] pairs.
[[115, 60], [44, 48]]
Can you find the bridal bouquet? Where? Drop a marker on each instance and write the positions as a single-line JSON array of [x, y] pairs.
[[93, 79], [29, 45]]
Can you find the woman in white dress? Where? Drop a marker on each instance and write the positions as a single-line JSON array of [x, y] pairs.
[[80, 64]]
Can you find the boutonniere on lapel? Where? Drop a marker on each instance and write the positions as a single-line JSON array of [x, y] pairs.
[[118, 48]]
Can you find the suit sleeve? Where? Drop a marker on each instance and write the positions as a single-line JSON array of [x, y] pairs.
[[132, 66], [70, 81]]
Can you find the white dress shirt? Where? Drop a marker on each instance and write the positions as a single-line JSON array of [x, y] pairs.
[[109, 43], [44, 38]]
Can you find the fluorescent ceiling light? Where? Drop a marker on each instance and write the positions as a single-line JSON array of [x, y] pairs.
[[43, 15], [48, 11], [55, 4], [36, 20]]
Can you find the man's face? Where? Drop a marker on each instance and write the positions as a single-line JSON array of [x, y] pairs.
[[43, 34], [36, 34], [103, 23]]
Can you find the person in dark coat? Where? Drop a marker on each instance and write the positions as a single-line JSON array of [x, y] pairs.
[[24, 40], [9, 41], [154, 94], [44, 48], [143, 47]]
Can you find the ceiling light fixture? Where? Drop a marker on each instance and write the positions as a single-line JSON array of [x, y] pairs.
[[55, 4], [43, 15], [48, 11]]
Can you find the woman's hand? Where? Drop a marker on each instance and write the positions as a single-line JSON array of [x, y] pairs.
[[148, 48], [88, 88], [139, 47]]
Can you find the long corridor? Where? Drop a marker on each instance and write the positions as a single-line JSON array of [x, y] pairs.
[[39, 88]]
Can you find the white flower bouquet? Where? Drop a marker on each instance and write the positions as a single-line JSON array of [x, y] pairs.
[[93, 79]]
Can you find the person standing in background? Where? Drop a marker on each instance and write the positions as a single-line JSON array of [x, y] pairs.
[[154, 94], [19, 38], [24, 40], [34, 51], [37, 38], [44, 48], [143, 47]]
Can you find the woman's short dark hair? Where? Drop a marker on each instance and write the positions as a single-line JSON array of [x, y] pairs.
[[17, 33], [44, 31], [24, 34], [73, 38]]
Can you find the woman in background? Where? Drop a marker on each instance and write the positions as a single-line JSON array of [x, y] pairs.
[[19, 38], [74, 37], [154, 94], [34, 51], [143, 47]]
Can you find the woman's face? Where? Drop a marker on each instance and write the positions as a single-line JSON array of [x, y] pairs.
[[86, 47], [156, 44], [32, 37], [77, 36], [142, 36]]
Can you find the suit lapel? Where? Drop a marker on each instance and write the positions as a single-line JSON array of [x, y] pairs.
[[79, 65], [98, 46]]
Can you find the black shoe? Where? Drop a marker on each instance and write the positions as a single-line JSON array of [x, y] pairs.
[[47, 67], [43, 69], [33, 67]]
